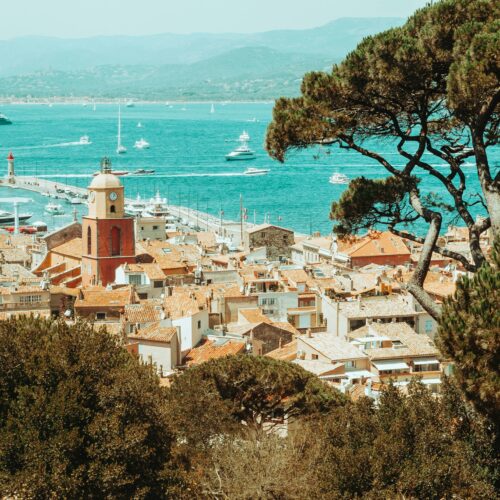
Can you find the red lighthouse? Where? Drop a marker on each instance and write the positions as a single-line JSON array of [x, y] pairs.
[[107, 233], [10, 168]]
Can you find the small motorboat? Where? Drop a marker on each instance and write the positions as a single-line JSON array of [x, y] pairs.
[[4, 120], [256, 171], [143, 171], [84, 140], [141, 144], [139, 125], [54, 209], [118, 173], [338, 178]]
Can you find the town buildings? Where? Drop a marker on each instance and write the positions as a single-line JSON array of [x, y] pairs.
[[337, 308]]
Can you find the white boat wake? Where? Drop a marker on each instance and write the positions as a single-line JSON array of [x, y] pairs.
[[46, 146], [156, 176]]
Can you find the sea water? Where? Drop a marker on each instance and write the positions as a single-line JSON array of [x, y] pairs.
[[188, 148]]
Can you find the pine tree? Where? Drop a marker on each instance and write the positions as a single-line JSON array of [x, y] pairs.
[[469, 334]]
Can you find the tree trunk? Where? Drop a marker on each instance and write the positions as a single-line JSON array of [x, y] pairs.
[[489, 186]]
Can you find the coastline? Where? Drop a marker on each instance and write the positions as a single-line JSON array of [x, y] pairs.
[[81, 100]]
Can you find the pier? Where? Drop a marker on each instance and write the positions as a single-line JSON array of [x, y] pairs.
[[228, 229]]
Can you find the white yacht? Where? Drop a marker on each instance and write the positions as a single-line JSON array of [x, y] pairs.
[[338, 178], [139, 125], [84, 140], [256, 171], [242, 152], [141, 144], [54, 209], [244, 136], [130, 104], [157, 206], [120, 148], [9, 218], [135, 207]]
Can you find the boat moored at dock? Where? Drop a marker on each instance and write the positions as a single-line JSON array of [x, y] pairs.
[[54, 209], [9, 218]]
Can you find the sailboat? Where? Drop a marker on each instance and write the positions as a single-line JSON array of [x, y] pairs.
[[212, 109], [120, 148]]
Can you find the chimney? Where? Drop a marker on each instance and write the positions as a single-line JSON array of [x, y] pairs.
[[309, 333]]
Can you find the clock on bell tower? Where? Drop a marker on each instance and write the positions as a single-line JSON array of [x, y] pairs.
[[107, 233]]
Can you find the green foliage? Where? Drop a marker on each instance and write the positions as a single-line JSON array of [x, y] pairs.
[[248, 389], [79, 416], [469, 334], [410, 446], [368, 202]]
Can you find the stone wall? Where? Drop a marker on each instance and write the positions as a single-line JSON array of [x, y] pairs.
[[60, 236], [276, 239]]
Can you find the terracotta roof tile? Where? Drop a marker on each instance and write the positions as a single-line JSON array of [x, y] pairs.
[[101, 297], [144, 312], [378, 243], [155, 333], [210, 349], [71, 248]]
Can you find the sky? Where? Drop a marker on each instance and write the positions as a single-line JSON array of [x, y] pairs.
[[77, 18]]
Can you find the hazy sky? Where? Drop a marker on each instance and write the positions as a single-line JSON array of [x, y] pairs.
[[72, 18]]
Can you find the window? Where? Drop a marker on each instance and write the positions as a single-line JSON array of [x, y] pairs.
[[350, 364], [155, 228], [30, 299], [314, 356], [428, 325], [199, 324], [135, 279], [89, 240], [158, 284], [100, 316], [263, 234], [112, 209], [115, 241], [143, 296]]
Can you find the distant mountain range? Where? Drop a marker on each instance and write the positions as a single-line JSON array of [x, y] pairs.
[[170, 66]]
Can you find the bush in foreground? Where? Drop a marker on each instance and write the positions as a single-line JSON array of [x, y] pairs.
[[79, 416]]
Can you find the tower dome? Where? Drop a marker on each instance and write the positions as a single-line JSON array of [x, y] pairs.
[[105, 180]]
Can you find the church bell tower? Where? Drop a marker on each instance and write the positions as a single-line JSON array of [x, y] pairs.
[[107, 233]]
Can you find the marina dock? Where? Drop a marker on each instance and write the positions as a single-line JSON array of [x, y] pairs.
[[229, 229]]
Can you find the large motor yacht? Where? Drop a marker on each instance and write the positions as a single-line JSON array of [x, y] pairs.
[[242, 152], [157, 206], [8, 217], [136, 207]]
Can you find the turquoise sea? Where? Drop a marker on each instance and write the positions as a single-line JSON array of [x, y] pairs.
[[188, 144]]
